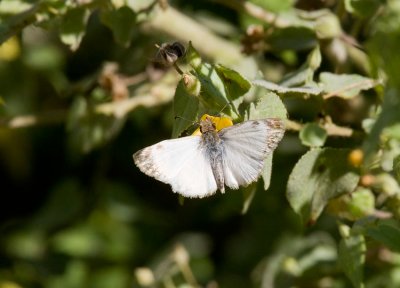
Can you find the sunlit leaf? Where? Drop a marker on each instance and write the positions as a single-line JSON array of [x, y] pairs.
[[313, 135], [319, 175], [186, 106], [345, 85], [364, 8]]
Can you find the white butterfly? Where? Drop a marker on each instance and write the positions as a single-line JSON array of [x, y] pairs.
[[196, 166]]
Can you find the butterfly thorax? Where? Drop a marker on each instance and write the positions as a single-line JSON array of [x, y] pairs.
[[213, 148]]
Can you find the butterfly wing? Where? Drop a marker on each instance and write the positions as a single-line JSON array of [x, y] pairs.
[[181, 163], [246, 146]]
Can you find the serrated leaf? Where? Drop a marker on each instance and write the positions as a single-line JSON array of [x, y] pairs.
[[387, 234], [288, 91], [186, 106], [313, 135], [345, 85], [319, 175], [235, 84], [269, 106], [351, 258], [122, 22], [73, 27]]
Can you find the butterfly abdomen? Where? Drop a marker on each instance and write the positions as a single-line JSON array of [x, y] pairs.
[[213, 149]]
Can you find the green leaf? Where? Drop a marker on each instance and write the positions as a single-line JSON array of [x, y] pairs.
[[121, 22], [354, 206], [235, 84], [319, 175], [269, 106], [387, 234], [186, 106], [73, 27], [345, 85], [313, 135], [351, 258], [363, 8], [286, 91], [213, 92], [383, 50]]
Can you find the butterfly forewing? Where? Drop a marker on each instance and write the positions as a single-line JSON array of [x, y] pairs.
[[245, 147], [180, 163]]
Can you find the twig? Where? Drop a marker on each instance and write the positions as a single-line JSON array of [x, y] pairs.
[[23, 121], [158, 95], [331, 128]]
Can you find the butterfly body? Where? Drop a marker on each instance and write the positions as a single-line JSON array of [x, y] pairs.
[[196, 166], [212, 144]]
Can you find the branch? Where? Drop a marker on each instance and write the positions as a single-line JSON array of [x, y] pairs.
[[331, 128]]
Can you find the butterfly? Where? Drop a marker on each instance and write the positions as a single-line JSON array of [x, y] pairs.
[[197, 166]]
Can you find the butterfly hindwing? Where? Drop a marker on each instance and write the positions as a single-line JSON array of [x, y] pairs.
[[246, 146], [181, 163]]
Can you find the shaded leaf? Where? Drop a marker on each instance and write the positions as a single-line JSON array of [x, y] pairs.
[[354, 206], [186, 106], [121, 22], [313, 135], [319, 175], [73, 27], [269, 106], [345, 85], [213, 94], [351, 258], [387, 234], [89, 130]]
